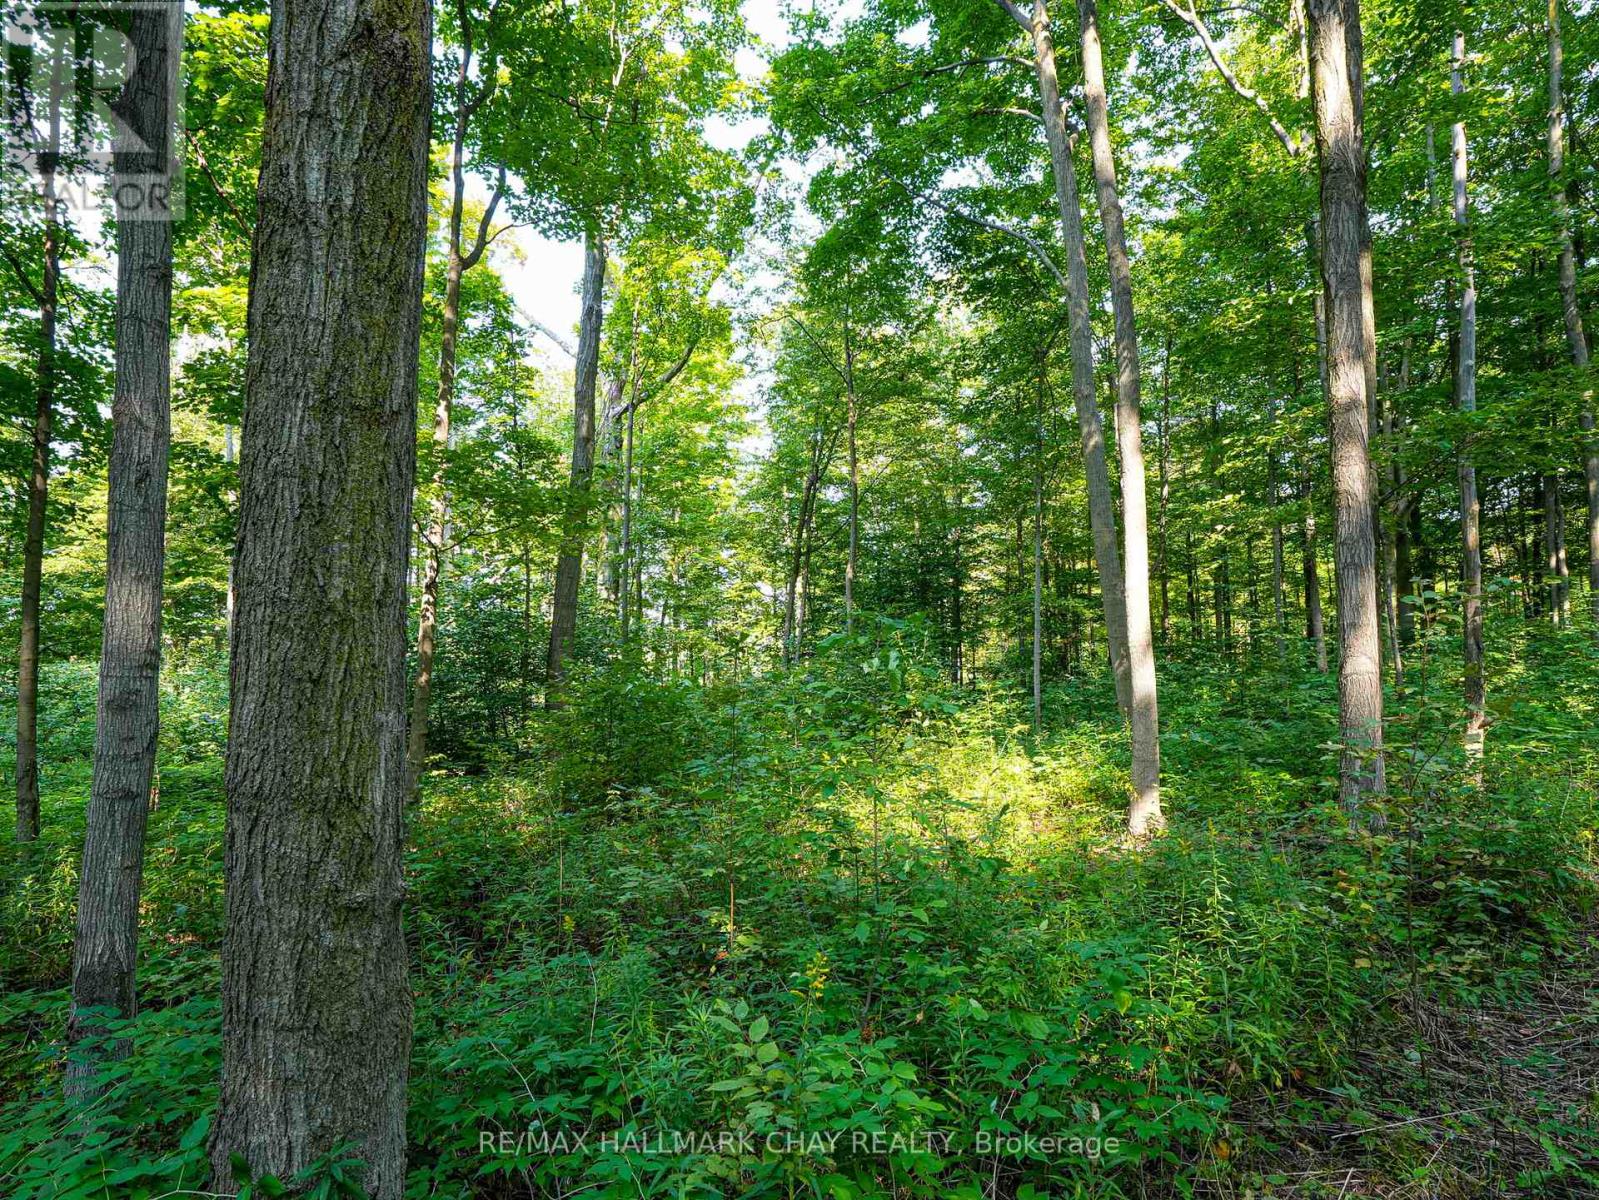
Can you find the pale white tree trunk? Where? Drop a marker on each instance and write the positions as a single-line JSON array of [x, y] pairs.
[[1144, 815], [1466, 401]]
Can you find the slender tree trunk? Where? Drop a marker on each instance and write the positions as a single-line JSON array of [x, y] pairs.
[[853, 558], [1552, 518], [316, 1007], [1335, 53], [33, 540], [1144, 815], [569, 562], [1315, 627], [1101, 511], [1193, 587], [1466, 402], [1390, 562], [129, 713], [821, 457], [1576, 340], [458, 263], [627, 517], [1165, 495], [439, 506], [1274, 488], [1038, 561]]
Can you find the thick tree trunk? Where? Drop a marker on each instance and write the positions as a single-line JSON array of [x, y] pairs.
[[33, 540], [1336, 73], [129, 712], [1144, 815], [316, 1008], [1101, 511], [1466, 402], [569, 562]]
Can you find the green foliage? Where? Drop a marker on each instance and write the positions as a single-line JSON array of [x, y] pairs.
[[867, 929]]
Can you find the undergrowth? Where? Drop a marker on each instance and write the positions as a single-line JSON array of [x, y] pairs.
[[848, 930]]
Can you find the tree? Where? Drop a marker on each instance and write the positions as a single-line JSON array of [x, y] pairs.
[[1084, 387], [470, 98], [611, 141], [1571, 313], [1466, 401], [1144, 815], [46, 294], [316, 1023], [129, 712], [1335, 63]]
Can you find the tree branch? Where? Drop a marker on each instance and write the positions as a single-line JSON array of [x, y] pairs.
[[22, 274], [1009, 231], [563, 343], [482, 240], [1292, 142], [205, 166]]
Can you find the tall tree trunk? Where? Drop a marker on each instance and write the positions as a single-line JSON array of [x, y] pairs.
[[457, 264], [1576, 340], [1466, 402], [1165, 496], [1335, 53], [1192, 588], [33, 541], [316, 1007], [1553, 517], [1101, 512], [1390, 562], [1315, 626], [574, 526], [1038, 560], [105, 951], [626, 556], [853, 416], [1144, 815], [1278, 600]]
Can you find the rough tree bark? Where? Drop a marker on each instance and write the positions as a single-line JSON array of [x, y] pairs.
[[457, 264], [1466, 402], [316, 1008], [128, 717], [569, 561], [1144, 815], [1336, 68]]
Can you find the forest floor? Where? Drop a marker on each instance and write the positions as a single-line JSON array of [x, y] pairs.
[[1446, 1101], [852, 899]]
